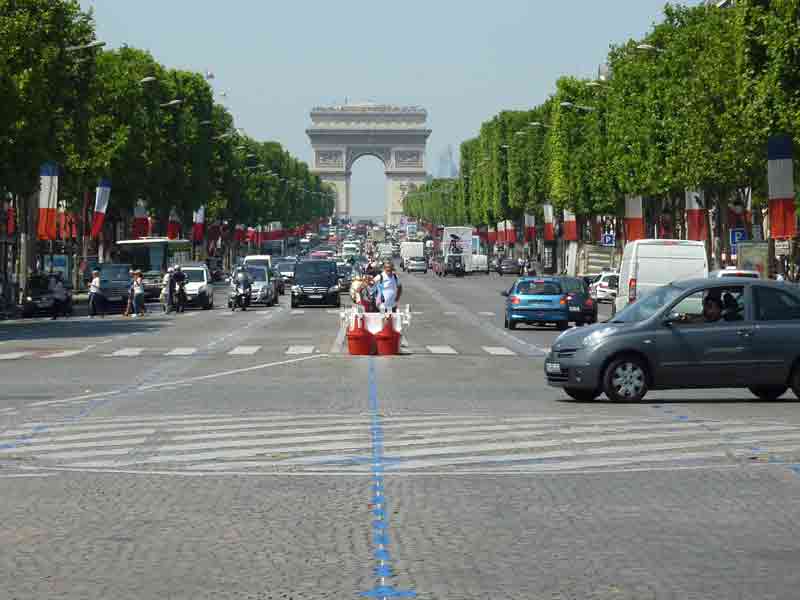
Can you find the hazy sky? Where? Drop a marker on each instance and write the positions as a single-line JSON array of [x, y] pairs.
[[462, 60]]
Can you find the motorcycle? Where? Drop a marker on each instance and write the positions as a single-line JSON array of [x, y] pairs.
[[239, 297], [180, 297]]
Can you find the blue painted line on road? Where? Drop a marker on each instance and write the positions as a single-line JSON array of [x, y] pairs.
[[380, 524]]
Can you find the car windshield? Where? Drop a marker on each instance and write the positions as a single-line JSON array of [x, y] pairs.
[[315, 267], [539, 288], [285, 267], [345, 270], [194, 275], [257, 274], [116, 273], [646, 307]]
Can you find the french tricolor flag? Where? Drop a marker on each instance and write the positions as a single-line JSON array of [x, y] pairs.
[[102, 195], [696, 222], [141, 221], [570, 226], [781, 187], [48, 201], [549, 229], [530, 228], [173, 225], [198, 223], [634, 219]]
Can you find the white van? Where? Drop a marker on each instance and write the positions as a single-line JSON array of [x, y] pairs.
[[259, 260], [648, 264]]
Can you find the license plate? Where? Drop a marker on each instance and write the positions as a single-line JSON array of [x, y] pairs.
[[574, 309], [553, 368], [315, 297]]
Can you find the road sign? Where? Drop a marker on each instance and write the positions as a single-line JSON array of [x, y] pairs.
[[608, 239], [737, 234]]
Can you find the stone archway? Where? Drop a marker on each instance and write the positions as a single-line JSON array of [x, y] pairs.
[[396, 135]]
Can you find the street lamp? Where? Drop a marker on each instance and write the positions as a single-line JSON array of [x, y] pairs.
[[577, 107], [594, 84], [649, 48], [205, 122], [171, 103], [89, 46], [148, 79], [539, 124]]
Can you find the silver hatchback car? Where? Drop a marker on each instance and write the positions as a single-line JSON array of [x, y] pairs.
[[700, 333]]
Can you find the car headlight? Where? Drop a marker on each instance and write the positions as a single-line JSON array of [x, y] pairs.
[[333, 288], [29, 299], [295, 289], [597, 337]]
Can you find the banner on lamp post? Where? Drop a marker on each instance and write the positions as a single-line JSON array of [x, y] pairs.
[[101, 198], [48, 201]]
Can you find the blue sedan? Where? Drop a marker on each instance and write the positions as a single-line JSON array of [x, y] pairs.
[[542, 300]]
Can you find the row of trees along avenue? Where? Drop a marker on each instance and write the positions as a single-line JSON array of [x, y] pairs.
[[155, 133], [690, 107]]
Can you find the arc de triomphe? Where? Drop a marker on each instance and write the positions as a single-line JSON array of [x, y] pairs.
[[397, 135]]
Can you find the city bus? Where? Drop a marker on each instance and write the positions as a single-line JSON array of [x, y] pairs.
[[152, 256]]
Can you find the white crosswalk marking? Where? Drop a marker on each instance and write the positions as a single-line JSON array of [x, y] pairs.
[[339, 443], [244, 350], [300, 350], [498, 351], [64, 354], [14, 355], [297, 313], [128, 352], [441, 350], [181, 352]]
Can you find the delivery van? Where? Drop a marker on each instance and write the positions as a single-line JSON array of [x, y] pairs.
[[649, 264]]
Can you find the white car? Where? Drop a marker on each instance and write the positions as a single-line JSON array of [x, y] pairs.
[[604, 287], [199, 291]]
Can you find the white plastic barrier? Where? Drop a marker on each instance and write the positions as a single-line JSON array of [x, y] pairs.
[[374, 321]]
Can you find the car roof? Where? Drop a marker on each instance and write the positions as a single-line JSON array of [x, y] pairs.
[[723, 282]]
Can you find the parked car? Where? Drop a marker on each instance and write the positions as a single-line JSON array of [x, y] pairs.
[[734, 272], [345, 274], [199, 291], [545, 300], [649, 264], [509, 266], [604, 286], [316, 282], [697, 333], [38, 299], [416, 264]]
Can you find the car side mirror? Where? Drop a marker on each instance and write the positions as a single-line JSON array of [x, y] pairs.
[[673, 317]]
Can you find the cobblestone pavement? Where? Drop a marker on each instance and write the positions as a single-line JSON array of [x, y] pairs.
[[242, 469]]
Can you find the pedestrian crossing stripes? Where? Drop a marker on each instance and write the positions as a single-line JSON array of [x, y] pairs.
[[244, 350], [128, 352], [292, 350], [339, 443]]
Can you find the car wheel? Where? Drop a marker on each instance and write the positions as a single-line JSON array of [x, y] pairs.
[[625, 380], [581, 395], [768, 392], [505, 323], [512, 324], [562, 325]]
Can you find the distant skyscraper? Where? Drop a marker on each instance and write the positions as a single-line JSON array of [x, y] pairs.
[[447, 164]]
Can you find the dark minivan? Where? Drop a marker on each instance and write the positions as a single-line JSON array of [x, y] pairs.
[[316, 282]]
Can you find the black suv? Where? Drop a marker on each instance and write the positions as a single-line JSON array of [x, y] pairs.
[[316, 282]]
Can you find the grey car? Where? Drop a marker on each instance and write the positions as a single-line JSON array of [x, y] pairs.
[[699, 333]]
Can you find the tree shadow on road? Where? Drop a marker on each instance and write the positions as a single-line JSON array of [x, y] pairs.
[[76, 329]]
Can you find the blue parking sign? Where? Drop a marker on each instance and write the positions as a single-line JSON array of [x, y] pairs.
[[737, 234], [608, 239]]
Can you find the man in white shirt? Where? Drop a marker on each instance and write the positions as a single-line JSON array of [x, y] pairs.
[[389, 288]]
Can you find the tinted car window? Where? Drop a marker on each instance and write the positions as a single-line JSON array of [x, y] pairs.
[[575, 286], [317, 267], [194, 275], [285, 267], [539, 288], [257, 274], [775, 305], [613, 282]]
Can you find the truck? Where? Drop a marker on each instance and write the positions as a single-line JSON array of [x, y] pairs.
[[411, 250], [377, 235], [458, 241]]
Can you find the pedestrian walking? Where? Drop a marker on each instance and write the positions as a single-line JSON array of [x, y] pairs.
[[59, 293], [96, 298], [389, 289], [137, 289]]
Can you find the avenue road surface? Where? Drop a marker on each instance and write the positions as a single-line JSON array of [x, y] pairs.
[[227, 455]]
